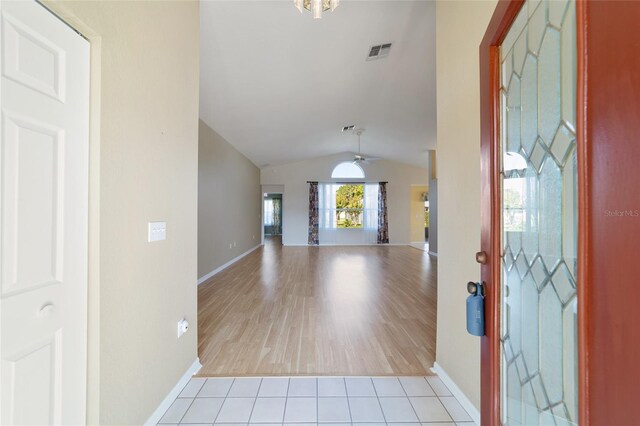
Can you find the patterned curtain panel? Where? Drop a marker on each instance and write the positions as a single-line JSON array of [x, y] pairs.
[[314, 210], [383, 221], [277, 216]]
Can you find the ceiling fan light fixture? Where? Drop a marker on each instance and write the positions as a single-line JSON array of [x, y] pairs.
[[316, 7], [359, 158]]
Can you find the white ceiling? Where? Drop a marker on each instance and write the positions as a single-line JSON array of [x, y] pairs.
[[279, 85]]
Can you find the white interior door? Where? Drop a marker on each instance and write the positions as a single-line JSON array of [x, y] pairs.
[[44, 93]]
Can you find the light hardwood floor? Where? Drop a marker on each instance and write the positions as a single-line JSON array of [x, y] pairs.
[[367, 310]]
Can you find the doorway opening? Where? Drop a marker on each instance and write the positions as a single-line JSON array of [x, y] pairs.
[[336, 290], [419, 217], [272, 216]]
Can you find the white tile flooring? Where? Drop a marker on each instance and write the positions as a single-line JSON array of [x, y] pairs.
[[363, 401]]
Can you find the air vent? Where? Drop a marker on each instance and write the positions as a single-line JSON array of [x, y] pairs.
[[379, 51], [348, 128]]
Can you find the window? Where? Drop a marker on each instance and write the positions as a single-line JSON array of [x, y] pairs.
[[348, 170], [349, 206], [348, 213], [519, 212], [268, 212]]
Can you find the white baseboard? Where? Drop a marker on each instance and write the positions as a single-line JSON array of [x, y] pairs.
[[345, 245], [457, 392], [433, 254], [350, 245], [226, 265], [173, 394]]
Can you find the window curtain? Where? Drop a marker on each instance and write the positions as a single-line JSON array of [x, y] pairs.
[[313, 213], [268, 212], [370, 220], [328, 218], [383, 221], [277, 216]]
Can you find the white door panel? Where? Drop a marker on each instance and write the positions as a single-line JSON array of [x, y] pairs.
[[44, 93]]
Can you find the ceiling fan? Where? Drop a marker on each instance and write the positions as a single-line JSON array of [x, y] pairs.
[[359, 158]]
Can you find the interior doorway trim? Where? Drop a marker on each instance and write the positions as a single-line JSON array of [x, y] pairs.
[[59, 9], [271, 189]]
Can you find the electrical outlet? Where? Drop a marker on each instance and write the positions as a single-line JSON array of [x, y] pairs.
[[234, 243], [183, 327], [230, 245]]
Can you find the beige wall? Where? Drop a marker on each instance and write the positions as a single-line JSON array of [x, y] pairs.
[[460, 26], [417, 213], [294, 177], [143, 168], [229, 202]]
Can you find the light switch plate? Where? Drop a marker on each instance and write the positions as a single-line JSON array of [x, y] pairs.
[[157, 231]]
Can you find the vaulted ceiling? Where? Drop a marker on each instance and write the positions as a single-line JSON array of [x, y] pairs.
[[279, 85]]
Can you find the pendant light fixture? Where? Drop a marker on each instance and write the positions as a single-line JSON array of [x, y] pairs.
[[316, 7]]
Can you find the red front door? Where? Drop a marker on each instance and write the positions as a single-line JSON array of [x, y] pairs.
[[560, 93]]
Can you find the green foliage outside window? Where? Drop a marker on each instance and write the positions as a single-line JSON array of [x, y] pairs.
[[349, 206]]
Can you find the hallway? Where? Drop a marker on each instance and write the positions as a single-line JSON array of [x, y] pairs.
[[359, 310]]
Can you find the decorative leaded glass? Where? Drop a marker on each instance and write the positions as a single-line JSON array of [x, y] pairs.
[[539, 216]]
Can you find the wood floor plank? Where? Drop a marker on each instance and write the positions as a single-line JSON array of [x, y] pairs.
[[365, 310]]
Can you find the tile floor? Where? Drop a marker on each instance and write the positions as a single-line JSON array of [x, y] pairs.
[[328, 400]]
